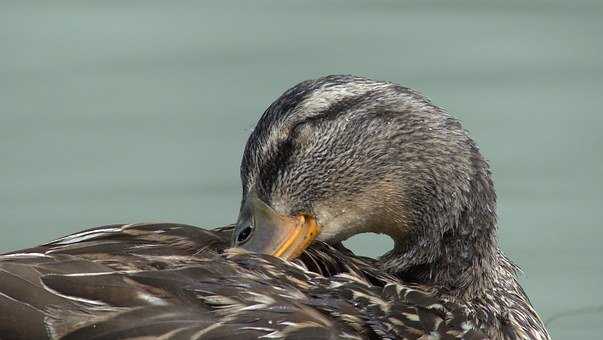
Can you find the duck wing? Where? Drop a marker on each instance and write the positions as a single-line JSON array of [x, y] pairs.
[[50, 290], [174, 281]]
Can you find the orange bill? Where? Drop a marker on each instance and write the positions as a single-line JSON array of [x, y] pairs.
[[260, 229]]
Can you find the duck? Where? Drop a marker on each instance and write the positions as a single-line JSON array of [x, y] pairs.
[[330, 158]]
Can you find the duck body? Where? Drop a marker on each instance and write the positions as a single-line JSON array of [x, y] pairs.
[[174, 281], [330, 158]]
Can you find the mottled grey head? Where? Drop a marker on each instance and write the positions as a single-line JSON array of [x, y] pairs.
[[360, 155]]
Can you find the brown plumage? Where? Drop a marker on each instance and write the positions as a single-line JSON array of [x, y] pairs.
[[175, 281], [352, 155]]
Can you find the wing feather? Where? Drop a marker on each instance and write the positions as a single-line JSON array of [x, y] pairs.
[[172, 281]]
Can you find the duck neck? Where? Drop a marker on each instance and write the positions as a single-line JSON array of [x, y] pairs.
[[452, 243], [463, 267]]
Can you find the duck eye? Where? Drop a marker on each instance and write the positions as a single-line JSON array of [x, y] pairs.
[[244, 235]]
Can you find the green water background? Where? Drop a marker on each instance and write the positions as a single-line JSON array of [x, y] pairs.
[[126, 111]]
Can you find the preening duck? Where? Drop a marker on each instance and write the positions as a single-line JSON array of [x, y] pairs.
[[330, 158]]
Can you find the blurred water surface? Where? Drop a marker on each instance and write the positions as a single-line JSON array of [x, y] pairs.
[[120, 111]]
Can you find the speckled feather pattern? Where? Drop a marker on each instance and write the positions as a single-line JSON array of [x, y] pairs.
[[357, 154], [173, 281], [372, 156]]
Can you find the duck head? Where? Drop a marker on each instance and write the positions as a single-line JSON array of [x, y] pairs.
[[342, 155]]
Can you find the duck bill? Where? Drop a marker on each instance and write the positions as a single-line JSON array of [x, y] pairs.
[[260, 229], [297, 237]]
